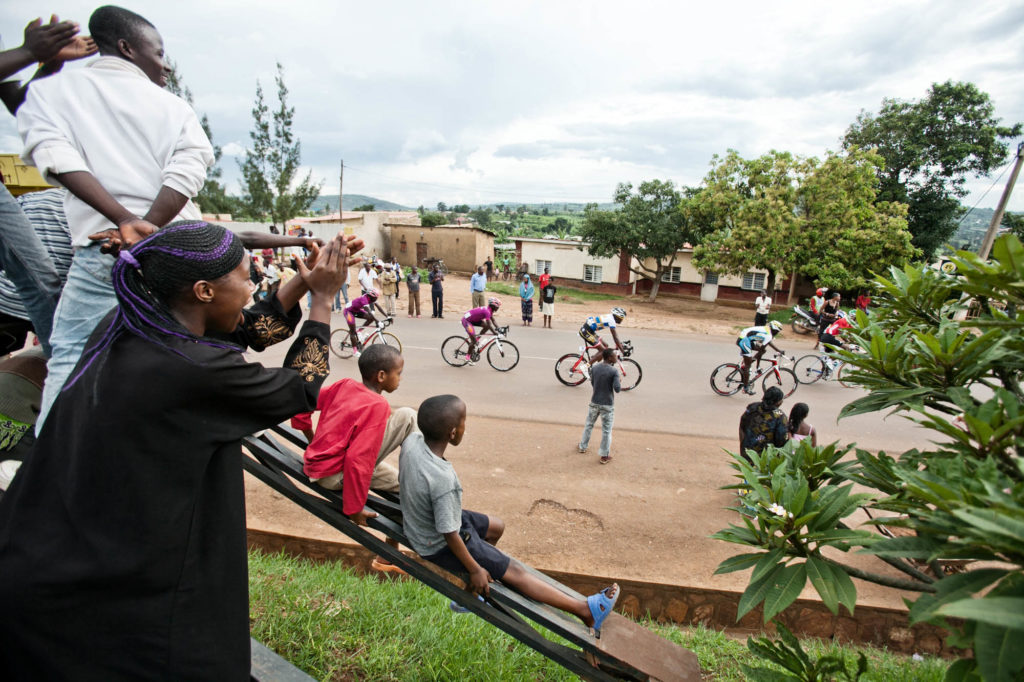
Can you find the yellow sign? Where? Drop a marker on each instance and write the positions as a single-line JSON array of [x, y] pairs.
[[20, 178]]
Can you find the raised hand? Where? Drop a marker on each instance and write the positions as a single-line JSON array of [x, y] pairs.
[[80, 47], [45, 41]]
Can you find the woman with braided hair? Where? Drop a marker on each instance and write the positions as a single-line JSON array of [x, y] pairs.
[[122, 538]]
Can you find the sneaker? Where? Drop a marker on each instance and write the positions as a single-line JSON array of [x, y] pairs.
[[470, 363], [580, 448], [749, 389], [355, 354]]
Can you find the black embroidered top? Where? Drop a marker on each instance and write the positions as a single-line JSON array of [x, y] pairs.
[[122, 538]]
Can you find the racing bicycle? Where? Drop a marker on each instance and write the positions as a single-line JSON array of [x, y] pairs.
[[727, 379], [811, 368], [501, 353], [341, 340], [572, 369]]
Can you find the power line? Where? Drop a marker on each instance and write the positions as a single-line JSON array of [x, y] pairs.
[[982, 198]]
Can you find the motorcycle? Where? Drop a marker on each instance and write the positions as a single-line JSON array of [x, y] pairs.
[[802, 321]]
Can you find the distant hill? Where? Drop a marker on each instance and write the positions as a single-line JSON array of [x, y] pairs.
[[328, 203], [972, 229], [553, 207]]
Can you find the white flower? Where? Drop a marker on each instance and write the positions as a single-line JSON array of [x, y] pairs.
[[917, 657], [777, 509]]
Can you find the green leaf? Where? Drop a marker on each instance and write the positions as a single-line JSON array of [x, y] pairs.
[[962, 671], [909, 547], [738, 563], [786, 587], [754, 595], [1007, 612], [766, 564], [999, 652], [820, 575]]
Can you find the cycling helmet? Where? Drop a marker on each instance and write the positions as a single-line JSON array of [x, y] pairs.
[[372, 294], [494, 302], [618, 313], [775, 326], [820, 292]]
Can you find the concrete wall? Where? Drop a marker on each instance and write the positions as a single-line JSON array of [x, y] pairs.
[[462, 247], [567, 259]]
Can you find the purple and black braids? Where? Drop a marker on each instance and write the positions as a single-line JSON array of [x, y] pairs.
[[147, 277]]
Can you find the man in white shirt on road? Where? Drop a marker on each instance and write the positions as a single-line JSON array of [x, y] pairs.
[[763, 306]]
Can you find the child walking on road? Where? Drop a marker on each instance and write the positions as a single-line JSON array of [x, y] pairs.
[[462, 541], [605, 378]]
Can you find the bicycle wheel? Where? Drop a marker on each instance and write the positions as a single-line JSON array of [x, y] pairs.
[[341, 343], [454, 350], [569, 369], [783, 377], [809, 368], [727, 379], [504, 358], [631, 373], [843, 374], [388, 339]]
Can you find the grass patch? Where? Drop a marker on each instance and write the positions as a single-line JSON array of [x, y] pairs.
[[337, 626]]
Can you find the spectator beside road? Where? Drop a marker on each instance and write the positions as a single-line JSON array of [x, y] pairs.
[[412, 283], [437, 292], [605, 380], [489, 267], [762, 306], [547, 303], [367, 278], [763, 423], [389, 287], [478, 287], [526, 300], [23, 257], [799, 427]]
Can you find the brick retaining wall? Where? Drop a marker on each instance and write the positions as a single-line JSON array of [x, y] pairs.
[[876, 626]]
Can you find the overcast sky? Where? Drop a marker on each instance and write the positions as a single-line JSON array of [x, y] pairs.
[[482, 102]]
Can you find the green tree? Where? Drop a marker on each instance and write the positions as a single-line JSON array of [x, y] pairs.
[[442, 207], [648, 226], [962, 499], [848, 233], [1015, 223], [930, 147], [750, 208], [364, 207], [460, 208], [213, 197], [432, 219], [482, 216], [271, 166], [559, 226]]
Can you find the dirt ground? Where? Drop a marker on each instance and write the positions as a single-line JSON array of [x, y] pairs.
[[646, 516]]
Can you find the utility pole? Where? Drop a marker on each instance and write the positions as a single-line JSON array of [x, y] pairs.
[[997, 217], [341, 183]]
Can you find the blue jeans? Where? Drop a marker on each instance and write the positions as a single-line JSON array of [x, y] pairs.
[[29, 266], [88, 297], [607, 414]]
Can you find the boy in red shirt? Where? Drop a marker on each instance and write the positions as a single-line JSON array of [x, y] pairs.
[[356, 431]]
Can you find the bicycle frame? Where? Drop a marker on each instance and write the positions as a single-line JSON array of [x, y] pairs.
[[775, 361]]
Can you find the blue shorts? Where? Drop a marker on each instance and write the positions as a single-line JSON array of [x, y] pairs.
[[747, 348], [473, 532]]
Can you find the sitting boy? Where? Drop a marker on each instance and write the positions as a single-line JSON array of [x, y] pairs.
[[458, 540], [356, 431]]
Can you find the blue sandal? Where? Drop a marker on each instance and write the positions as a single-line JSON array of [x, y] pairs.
[[458, 608], [601, 605]]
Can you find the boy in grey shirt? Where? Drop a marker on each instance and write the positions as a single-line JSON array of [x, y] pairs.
[[459, 540], [605, 378]]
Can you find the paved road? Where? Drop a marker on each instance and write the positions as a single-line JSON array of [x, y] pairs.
[[673, 397]]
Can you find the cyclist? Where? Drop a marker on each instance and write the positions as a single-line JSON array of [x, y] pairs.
[[753, 342], [483, 316], [362, 307], [830, 336], [588, 332]]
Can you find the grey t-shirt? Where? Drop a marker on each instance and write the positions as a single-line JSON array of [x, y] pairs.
[[431, 496], [606, 380]]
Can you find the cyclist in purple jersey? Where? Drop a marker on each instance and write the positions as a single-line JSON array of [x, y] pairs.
[[360, 306], [484, 317]]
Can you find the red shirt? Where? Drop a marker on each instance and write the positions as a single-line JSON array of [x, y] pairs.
[[348, 438], [543, 280], [837, 327]]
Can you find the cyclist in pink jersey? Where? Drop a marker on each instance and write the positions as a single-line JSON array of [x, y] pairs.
[[484, 317], [360, 306]]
